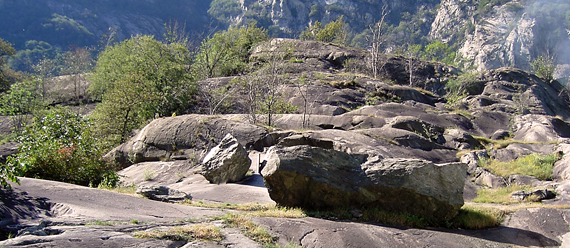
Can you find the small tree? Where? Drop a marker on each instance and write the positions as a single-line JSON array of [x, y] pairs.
[[227, 52], [138, 80], [262, 90], [333, 32], [543, 67], [20, 101], [376, 42], [77, 62]]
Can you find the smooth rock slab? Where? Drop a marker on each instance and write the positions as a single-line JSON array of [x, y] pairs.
[[318, 179]]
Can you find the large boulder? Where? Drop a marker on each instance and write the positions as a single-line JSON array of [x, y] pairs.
[[317, 178], [228, 162], [182, 137]]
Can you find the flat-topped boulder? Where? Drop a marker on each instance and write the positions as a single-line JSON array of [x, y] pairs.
[[322, 179]]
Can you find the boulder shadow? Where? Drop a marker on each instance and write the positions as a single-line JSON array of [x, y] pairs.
[[253, 180]]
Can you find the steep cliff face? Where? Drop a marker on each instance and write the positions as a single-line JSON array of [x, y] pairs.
[[291, 17], [488, 33], [513, 34]]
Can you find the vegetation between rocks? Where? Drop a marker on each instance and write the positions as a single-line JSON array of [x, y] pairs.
[[536, 165], [184, 233]]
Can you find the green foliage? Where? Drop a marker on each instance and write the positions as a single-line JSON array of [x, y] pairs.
[[20, 100], [227, 52], [543, 67], [485, 6], [34, 53], [536, 165], [438, 51], [500, 195], [224, 10], [333, 32], [137, 80], [7, 76], [61, 147]]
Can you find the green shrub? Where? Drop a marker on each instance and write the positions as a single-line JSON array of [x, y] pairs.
[[543, 67], [60, 147]]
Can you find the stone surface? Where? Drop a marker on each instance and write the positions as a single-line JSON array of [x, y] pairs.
[[227, 162], [183, 137], [485, 178], [162, 193], [537, 195], [317, 178]]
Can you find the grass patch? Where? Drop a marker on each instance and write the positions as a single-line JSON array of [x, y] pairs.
[[254, 209], [121, 189], [501, 195], [102, 223], [497, 144], [184, 233], [464, 113], [475, 217], [250, 229], [537, 165]]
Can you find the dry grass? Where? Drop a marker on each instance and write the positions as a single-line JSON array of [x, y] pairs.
[[249, 229], [184, 233], [122, 189], [497, 144], [254, 209]]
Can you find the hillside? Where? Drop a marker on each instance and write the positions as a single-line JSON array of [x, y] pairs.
[[387, 153], [487, 34], [65, 23]]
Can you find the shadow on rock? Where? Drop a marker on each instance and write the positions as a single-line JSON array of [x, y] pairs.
[[253, 180]]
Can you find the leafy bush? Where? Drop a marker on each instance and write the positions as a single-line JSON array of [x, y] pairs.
[[60, 147]]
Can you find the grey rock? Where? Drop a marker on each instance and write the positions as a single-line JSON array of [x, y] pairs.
[[459, 139], [472, 158], [227, 162], [317, 178], [485, 178], [187, 136], [523, 180], [500, 134], [163, 193], [538, 194]]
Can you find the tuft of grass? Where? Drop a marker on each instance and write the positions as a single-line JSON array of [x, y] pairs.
[[250, 229], [537, 165], [148, 174], [184, 233]]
